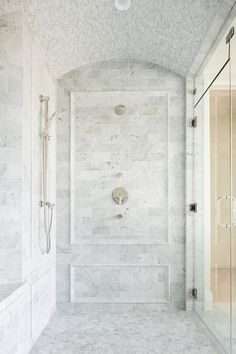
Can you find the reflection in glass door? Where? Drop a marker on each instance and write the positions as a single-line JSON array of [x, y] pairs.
[[233, 171], [214, 192]]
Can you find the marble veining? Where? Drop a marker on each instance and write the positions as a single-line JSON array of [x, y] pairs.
[[121, 284], [11, 146], [95, 146], [9, 293], [24, 309], [103, 144], [122, 329]]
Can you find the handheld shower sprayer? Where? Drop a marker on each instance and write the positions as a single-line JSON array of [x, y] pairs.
[[54, 116], [45, 204]]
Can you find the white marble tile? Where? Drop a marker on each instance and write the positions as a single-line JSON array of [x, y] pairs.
[[126, 329], [24, 311], [120, 284], [137, 143]]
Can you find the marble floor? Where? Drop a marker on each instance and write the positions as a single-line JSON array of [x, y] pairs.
[[127, 329]]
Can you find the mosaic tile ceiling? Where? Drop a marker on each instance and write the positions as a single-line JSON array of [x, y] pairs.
[[79, 32]]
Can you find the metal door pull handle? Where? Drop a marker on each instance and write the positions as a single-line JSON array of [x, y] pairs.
[[219, 210]]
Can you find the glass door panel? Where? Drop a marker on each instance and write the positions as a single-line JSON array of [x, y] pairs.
[[212, 192], [215, 63], [233, 230]]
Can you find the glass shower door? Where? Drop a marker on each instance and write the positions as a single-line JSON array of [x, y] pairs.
[[233, 230], [212, 222]]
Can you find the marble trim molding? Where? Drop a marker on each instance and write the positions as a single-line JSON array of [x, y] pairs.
[[73, 96], [72, 268]]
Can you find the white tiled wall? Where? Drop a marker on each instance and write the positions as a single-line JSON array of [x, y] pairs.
[[11, 142], [137, 144], [25, 72], [120, 283], [98, 253]]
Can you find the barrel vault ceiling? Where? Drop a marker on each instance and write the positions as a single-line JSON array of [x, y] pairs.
[[79, 32]]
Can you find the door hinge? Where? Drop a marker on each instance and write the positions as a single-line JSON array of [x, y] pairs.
[[194, 293], [193, 122], [194, 91], [193, 207], [229, 35]]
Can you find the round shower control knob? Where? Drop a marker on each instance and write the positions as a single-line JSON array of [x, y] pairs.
[[120, 195]]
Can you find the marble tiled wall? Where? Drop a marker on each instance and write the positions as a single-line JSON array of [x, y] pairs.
[[11, 134], [135, 144], [26, 76], [89, 262]]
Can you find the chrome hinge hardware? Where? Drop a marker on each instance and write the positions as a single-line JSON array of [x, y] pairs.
[[193, 122], [193, 207], [194, 293], [229, 35]]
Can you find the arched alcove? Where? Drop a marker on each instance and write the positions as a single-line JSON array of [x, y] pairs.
[[146, 144], [121, 69]]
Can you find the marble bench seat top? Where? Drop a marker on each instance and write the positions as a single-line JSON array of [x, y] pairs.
[[9, 293]]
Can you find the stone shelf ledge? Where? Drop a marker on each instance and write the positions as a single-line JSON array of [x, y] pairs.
[[9, 293]]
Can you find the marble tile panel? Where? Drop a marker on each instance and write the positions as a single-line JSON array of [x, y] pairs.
[[137, 144], [120, 284]]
